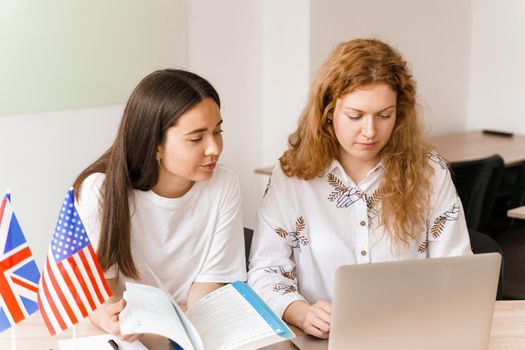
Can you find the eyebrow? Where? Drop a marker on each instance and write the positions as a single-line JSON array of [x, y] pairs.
[[358, 110], [196, 131]]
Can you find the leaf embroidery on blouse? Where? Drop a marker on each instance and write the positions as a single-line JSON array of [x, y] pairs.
[[344, 196], [372, 203], [422, 247], [436, 158], [439, 223], [297, 237], [284, 288], [282, 271]]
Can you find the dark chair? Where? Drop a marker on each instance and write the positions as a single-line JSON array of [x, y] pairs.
[[477, 182], [511, 194], [482, 243], [248, 235]]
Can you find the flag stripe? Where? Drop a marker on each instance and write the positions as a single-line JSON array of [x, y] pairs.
[[2, 207], [24, 284], [100, 273], [72, 289], [66, 290], [15, 259], [52, 305], [58, 290], [9, 298], [82, 282], [91, 278], [57, 300], [45, 310], [85, 271], [76, 280]]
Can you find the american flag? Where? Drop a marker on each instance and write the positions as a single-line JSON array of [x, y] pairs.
[[72, 283], [19, 274]]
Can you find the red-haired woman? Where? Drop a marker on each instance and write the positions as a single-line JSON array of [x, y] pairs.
[[357, 185]]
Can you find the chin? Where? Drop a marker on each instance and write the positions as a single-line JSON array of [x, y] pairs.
[[203, 176]]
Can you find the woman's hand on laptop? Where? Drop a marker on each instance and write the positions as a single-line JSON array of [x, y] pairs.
[[312, 319]]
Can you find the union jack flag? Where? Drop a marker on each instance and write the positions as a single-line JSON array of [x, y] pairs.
[[72, 284], [19, 274]]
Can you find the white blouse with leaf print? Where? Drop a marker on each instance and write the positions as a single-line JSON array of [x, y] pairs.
[[306, 229]]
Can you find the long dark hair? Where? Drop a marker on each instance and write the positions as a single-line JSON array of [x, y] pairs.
[[130, 163]]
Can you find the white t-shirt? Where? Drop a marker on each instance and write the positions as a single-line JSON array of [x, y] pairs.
[[195, 238], [306, 229]]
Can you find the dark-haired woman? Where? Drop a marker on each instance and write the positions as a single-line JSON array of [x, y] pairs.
[[157, 202]]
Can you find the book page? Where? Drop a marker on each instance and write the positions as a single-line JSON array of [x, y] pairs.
[[226, 320], [150, 310]]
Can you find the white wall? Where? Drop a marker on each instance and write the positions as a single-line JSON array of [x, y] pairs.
[[224, 45], [433, 36], [41, 154], [286, 72], [497, 66], [256, 55]]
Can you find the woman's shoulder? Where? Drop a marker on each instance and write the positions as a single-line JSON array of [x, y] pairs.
[[437, 162], [92, 183], [224, 175], [90, 189]]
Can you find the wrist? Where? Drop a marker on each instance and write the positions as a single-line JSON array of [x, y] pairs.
[[296, 312]]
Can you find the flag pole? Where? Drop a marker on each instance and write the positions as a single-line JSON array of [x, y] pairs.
[[74, 337], [13, 338]]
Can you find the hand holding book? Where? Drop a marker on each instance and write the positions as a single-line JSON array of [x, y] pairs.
[[231, 317]]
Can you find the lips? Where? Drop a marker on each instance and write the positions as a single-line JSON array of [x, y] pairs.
[[366, 145], [210, 166]]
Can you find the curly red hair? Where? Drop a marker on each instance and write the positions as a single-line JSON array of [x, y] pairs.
[[405, 187]]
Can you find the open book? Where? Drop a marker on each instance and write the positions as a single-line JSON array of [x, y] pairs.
[[231, 317]]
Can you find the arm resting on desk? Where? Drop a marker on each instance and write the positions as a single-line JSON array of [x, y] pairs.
[[312, 319]]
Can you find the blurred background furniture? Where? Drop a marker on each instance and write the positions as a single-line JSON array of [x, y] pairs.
[[469, 145], [482, 243], [477, 182]]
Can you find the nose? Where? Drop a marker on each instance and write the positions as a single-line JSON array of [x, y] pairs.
[[369, 127], [213, 147]]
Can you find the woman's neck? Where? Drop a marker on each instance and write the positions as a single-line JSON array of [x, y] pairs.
[[357, 170], [172, 188]]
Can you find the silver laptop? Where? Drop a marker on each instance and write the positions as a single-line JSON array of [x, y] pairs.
[[430, 304]]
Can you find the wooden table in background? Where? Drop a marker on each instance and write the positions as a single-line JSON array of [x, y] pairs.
[[471, 145], [517, 213], [508, 332]]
